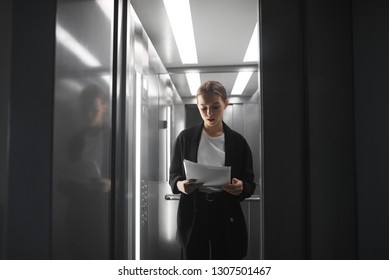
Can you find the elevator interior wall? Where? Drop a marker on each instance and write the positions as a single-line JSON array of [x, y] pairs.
[[156, 105], [158, 204]]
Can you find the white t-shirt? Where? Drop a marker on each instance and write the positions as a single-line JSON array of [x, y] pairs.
[[211, 150]]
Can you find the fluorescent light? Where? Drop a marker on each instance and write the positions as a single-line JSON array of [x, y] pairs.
[[194, 82], [180, 18], [251, 56], [253, 47], [75, 47], [241, 82]]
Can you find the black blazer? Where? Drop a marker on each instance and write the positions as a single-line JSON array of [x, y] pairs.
[[238, 156]]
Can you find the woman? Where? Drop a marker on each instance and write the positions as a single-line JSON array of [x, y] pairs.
[[212, 225]]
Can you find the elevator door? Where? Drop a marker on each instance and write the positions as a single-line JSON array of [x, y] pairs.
[[81, 218]]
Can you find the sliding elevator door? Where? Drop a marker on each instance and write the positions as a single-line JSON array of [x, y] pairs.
[[82, 147]]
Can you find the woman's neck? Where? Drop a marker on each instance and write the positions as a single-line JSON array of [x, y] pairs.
[[214, 131]]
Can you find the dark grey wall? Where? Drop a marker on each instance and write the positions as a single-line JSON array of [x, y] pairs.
[[5, 64], [284, 130], [325, 72], [330, 130], [30, 135], [309, 159], [371, 60]]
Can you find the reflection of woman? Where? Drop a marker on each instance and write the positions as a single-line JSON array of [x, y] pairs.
[[89, 183], [92, 143], [211, 225]]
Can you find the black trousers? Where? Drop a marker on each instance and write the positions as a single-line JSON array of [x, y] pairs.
[[208, 239]]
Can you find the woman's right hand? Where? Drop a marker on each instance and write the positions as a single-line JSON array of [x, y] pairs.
[[188, 186]]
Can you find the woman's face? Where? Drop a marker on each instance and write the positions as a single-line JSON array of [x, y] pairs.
[[94, 112], [211, 107]]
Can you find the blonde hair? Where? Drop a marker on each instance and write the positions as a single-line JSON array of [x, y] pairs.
[[213, 87]]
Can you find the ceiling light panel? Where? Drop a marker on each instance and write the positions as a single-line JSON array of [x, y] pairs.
[[241, 82], [180, 18], [253, 47], [194, 82]]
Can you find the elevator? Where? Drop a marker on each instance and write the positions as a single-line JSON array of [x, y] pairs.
[[118, 109]]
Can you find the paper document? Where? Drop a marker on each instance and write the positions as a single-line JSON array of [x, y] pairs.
[[83, 171], [211, 176]]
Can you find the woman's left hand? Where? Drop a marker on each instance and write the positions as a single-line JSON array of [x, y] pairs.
[[235, 188]]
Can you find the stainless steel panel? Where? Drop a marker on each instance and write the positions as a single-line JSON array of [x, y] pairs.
[[238, 118], [228, 115], [157, 111], [245, 119], [81, 163], [128, 208], [250, 112], [252, 132]]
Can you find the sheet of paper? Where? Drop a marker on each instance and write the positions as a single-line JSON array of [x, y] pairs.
[[211, 176], [83, 171]]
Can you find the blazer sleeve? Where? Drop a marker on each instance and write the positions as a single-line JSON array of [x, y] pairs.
[[176, 171]]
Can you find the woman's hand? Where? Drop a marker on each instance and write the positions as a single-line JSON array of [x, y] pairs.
[[100, 184], [188, 186], [235, 188]]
